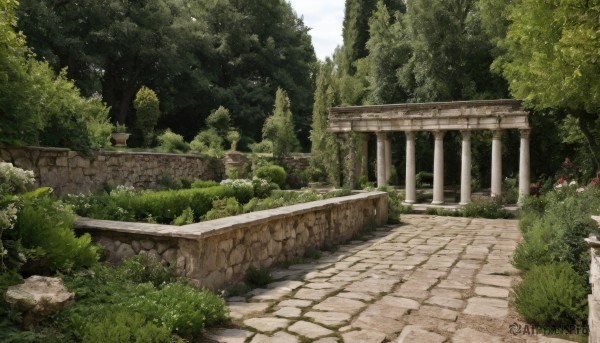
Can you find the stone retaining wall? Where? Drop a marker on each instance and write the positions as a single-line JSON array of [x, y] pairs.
[[217, 253], [594, 298], [72, 172]]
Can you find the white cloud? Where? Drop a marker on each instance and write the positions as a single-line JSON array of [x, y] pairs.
[[325, 18]]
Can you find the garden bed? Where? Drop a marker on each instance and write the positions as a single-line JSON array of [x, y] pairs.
[[218, 252]]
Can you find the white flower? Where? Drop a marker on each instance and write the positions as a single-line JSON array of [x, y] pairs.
[[573, 183]]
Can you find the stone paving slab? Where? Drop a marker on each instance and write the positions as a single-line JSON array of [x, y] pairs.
[[430, 279]]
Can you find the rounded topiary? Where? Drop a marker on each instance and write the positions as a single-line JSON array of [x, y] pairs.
[[552, 295], [272, 173]]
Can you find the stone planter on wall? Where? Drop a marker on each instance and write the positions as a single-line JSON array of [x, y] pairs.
[[120, 138]]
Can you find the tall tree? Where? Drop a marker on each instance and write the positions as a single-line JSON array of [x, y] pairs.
[[389, 49], [279, 127], [551, 60], [324, 151], [197, 55]]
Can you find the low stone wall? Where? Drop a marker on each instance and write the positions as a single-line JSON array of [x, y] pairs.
[[72, 172], [594, 298], [217, 253]]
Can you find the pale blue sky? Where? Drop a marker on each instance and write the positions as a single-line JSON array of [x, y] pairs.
[[325, 18]]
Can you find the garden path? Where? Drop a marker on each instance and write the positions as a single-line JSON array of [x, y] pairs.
[[430, 279]]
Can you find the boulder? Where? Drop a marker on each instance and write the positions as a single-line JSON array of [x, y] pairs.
[[38, 297]]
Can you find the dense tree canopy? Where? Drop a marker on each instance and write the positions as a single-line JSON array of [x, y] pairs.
[[551, 60], [197, 55]]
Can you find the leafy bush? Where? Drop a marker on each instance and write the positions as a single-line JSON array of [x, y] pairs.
[[423, 177], [147, 111], [552, 295], [204, 184], [243, 190], [224, 208], [111, 292], [272, 173], [172, 142], [208, 143], [264, 147], [186, 217], [262, 188], [124, 327], [163, 206], [485, 209], [220, 121], [394, 204], [166, 181], [147, 268], [296, 179], [45, 225], [258, 277], [556, 233], [14, 180]]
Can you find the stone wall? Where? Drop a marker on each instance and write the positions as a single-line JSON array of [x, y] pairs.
[[594, 298], [72, 172], [217, 253]]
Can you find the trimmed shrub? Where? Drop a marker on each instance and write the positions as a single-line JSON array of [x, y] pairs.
[[552, 295], [272, 173], [147, 111], [171, 142], [208, 143], [243, 190]]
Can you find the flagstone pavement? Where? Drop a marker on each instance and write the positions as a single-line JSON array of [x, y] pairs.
[[430, 279]]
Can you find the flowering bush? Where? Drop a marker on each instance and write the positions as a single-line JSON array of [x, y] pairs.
[[243, 189]]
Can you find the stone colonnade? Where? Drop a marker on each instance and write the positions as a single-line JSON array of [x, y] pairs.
[[439, 118], [384, 165]]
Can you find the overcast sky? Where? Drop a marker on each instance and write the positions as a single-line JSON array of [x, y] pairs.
[[325, 18]]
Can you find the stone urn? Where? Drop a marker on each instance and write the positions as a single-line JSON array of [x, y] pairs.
[[120, 138]]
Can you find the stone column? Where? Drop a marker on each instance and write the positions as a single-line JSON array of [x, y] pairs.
[[351, 170], [388, 158], [438, 169], [497, 164], [524, 166], [465, 171], [411, 182], [381, 181]]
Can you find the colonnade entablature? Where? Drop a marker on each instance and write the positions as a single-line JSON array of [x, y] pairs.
[[438, 118]]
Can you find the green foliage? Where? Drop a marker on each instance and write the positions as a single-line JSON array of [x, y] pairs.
[[169, 141], [220, 121], [137, 289], [208, 143], [163, 206], [423, 177], [186, 217], [394, 204], [553, 295], [234, 54], [45, 225], [279, 128], [489, 209], [550, 60], [166, 181], [222, 208], [261, 187], [258, 277], [147, 111], [124, 327], [272, 173], [40, 107], [555, 231], [324, 150], [265, 146], [243, 189], [204, 184]]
